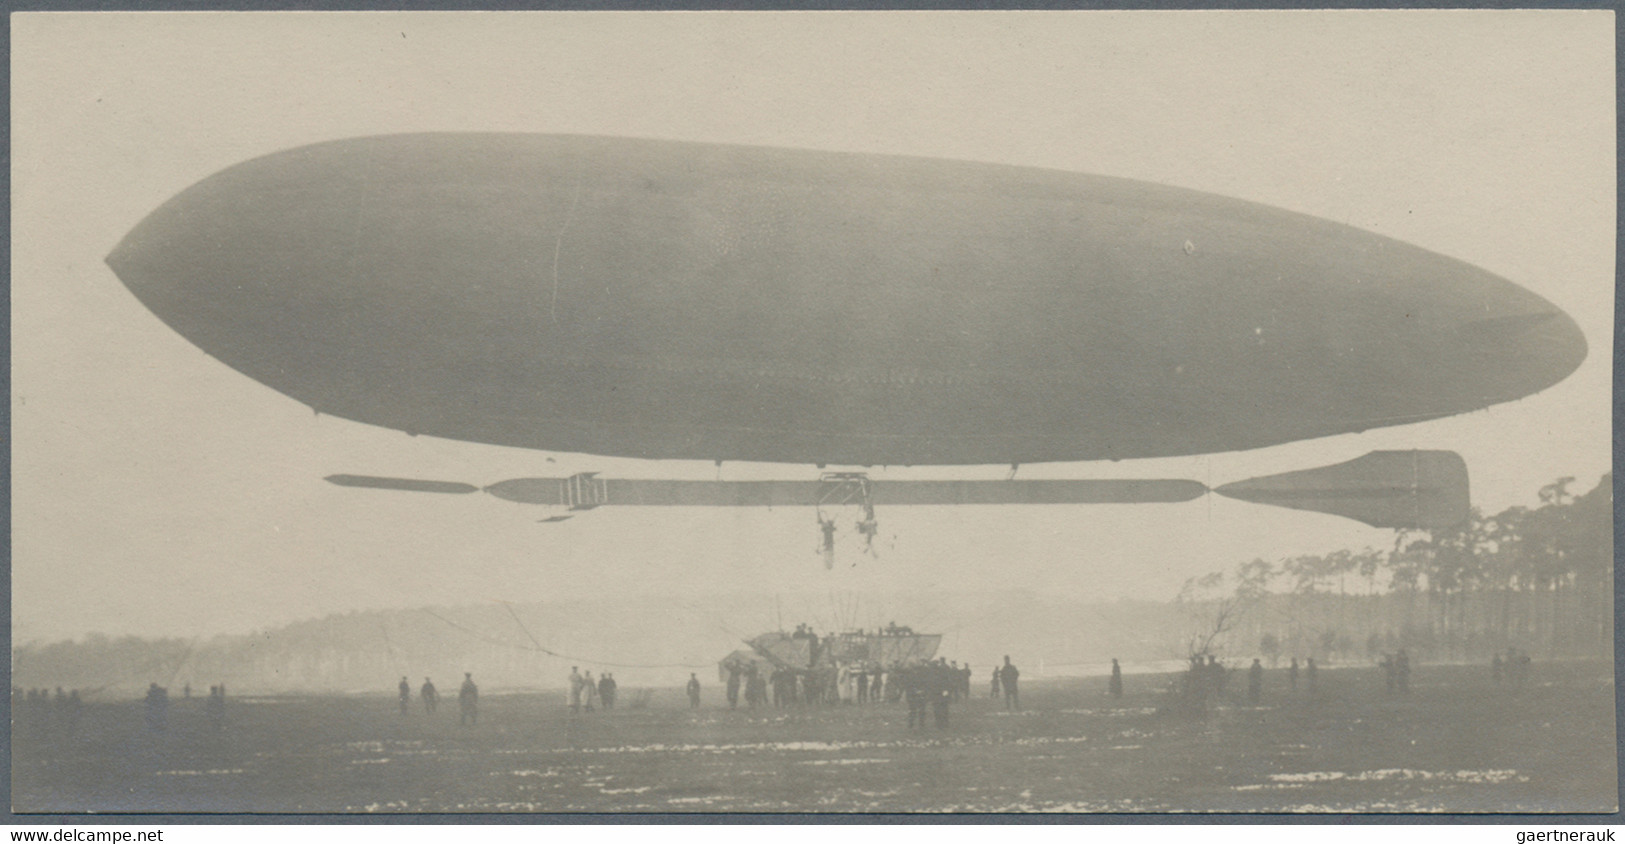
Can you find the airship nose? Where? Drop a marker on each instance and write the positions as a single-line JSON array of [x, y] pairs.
[[1522, 352], [217, 264]]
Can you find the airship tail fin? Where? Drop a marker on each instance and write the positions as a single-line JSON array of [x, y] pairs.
[[1386, 489]]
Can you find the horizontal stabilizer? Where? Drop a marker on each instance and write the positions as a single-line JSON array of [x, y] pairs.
[[404, 484], [1386, 489]]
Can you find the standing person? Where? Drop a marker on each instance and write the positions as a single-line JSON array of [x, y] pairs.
[[157, 707], [1402, 671], [863, 685], [733, 686], [1309, 674], [1255, 681], [1292, 674], [406, 694], [1115, 687], [75, 707], [693, 691], [468, 701], [575, 689], [1009, 676], [217, 707], [1387, 666], [431, 698], [914, 692], [589, 691], [606, 691], [997, 686], [944, 680], [755, 689]]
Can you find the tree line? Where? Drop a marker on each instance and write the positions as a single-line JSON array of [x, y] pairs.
[[1540, 579]]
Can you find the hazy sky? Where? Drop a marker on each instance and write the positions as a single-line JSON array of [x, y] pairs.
[[156, 491]]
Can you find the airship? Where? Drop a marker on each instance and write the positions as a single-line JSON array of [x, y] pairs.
[[672, 300]]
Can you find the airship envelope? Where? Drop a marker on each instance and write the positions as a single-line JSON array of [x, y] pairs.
[[659, 299]]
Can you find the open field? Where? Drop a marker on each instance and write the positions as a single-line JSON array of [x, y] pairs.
[[1457, 743]]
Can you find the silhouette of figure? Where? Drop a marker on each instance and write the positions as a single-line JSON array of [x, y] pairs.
[[827, 545], [1255, 681], [1309, 674], [406, 694], [431, 698], [59, 710], [468, 701], [1402, 671], [216, 707], [589, 691], [157, 708], [693, 691], [74, 710], [1292, 674], [1115, 687], [575, 689], [997, 686], [1215, 674], [733, 686], [914, 692], [1009, 676]]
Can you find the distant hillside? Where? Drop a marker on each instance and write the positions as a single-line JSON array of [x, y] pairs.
[[644, 642], [1319, 606]]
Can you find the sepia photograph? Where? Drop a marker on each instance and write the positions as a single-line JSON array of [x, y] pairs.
[[467, 413]]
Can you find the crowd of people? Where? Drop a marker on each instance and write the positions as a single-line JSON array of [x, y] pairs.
[[925, 686], [587, 694], [38, 711], [468, 699], [41, 713]]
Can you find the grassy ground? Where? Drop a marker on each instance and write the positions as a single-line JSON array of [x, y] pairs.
[[1457, 743]]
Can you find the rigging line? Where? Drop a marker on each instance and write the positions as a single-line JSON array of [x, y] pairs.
[[539, 649], [509, 607], [191, 648], [558, 244], [477, 634], [403, 658]]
